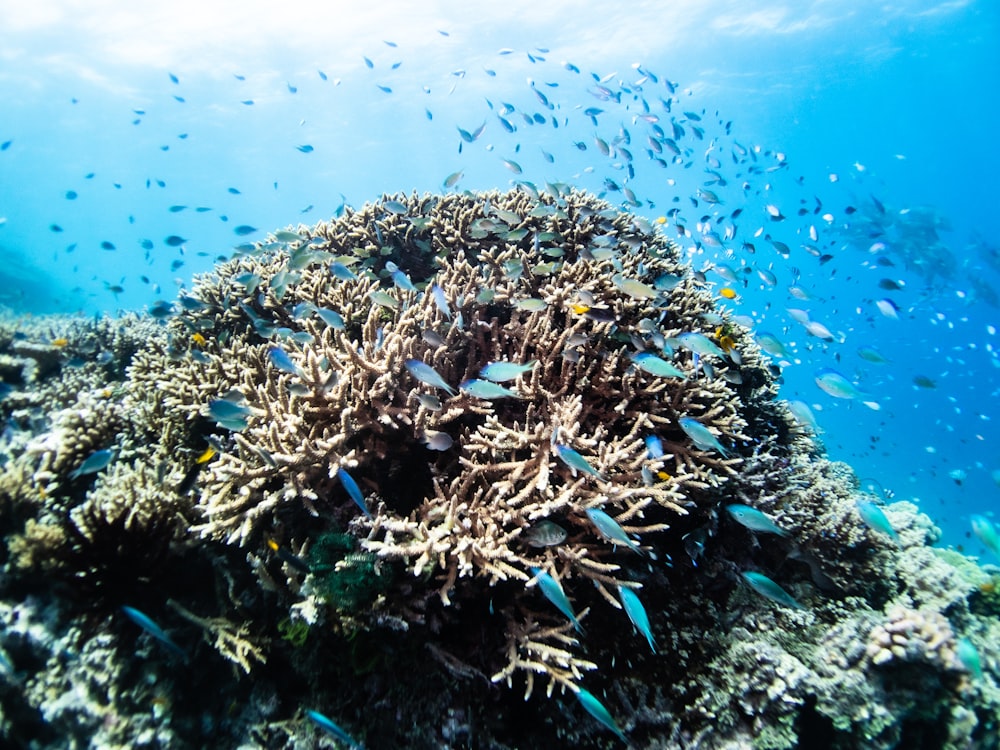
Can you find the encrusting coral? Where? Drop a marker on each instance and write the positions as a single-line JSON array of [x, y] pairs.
[[443, 438]]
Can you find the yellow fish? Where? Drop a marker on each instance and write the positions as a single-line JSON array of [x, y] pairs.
[[199, 339], [205, 457], [728, 293], [60, 342]]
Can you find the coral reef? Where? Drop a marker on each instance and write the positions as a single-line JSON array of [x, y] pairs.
[[412, 457]]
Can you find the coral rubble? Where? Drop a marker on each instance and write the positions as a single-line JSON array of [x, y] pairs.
[[316, 477]]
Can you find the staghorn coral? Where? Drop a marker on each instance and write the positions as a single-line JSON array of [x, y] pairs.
[[349, 402], [422, 608]]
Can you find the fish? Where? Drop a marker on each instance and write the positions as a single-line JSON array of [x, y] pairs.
[[633, 288], [147, 624], [986, 533], [244, 229], [322, 721], [395, 207], [873, 516], [650, 363], [342, 272], [803, 415], [871, 354], [888, 308], [637, 614], [701, 436], [700, 344], [94, 463], [283, 235], [832, 382], [501, 372], [353, 491], [545, 533], [596, 709], [280, 359], [610, 530], [576, 462], [486, 390], [553, 591], [754, 520], [771, 344], [769, 589], [513, 166], [429, 401], [654, 447], [452, 179], [401, 280], [531, 304], [441, 301], [293, 560], [969, 656], [817, 329], [384, 299], [331, 317], [428, 375], [437, 441], [191, 476], [432, 337], [228, 414]]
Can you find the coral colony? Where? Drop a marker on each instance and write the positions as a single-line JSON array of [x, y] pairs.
[[465, 470]]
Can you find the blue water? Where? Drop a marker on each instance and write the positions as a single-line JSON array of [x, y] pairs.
[[896, 103]]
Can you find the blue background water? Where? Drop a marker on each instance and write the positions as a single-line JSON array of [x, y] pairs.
[[896, 101]]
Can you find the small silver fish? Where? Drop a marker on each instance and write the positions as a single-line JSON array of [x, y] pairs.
[[429, 401], [754, 520], [437, 441], [553, 591], [770, 590], [650, 363], [596, 709], [576, 462], [384, 299], [432, 337], [873, 516], [501, 372], [531, 304], [609, 528], [427, 374], [486, 390], [701, 436], [637, 614], [95, 462], [545, 533], [331, 317]]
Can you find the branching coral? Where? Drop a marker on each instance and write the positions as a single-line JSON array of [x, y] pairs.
[[562, 281], [317, 422]]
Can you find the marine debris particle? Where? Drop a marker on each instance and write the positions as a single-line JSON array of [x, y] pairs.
[[507, 516]]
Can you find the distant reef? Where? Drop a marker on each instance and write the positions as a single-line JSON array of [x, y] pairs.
[[458, 471]]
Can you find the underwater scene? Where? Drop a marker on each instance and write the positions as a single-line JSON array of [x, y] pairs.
[[532, 375]]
